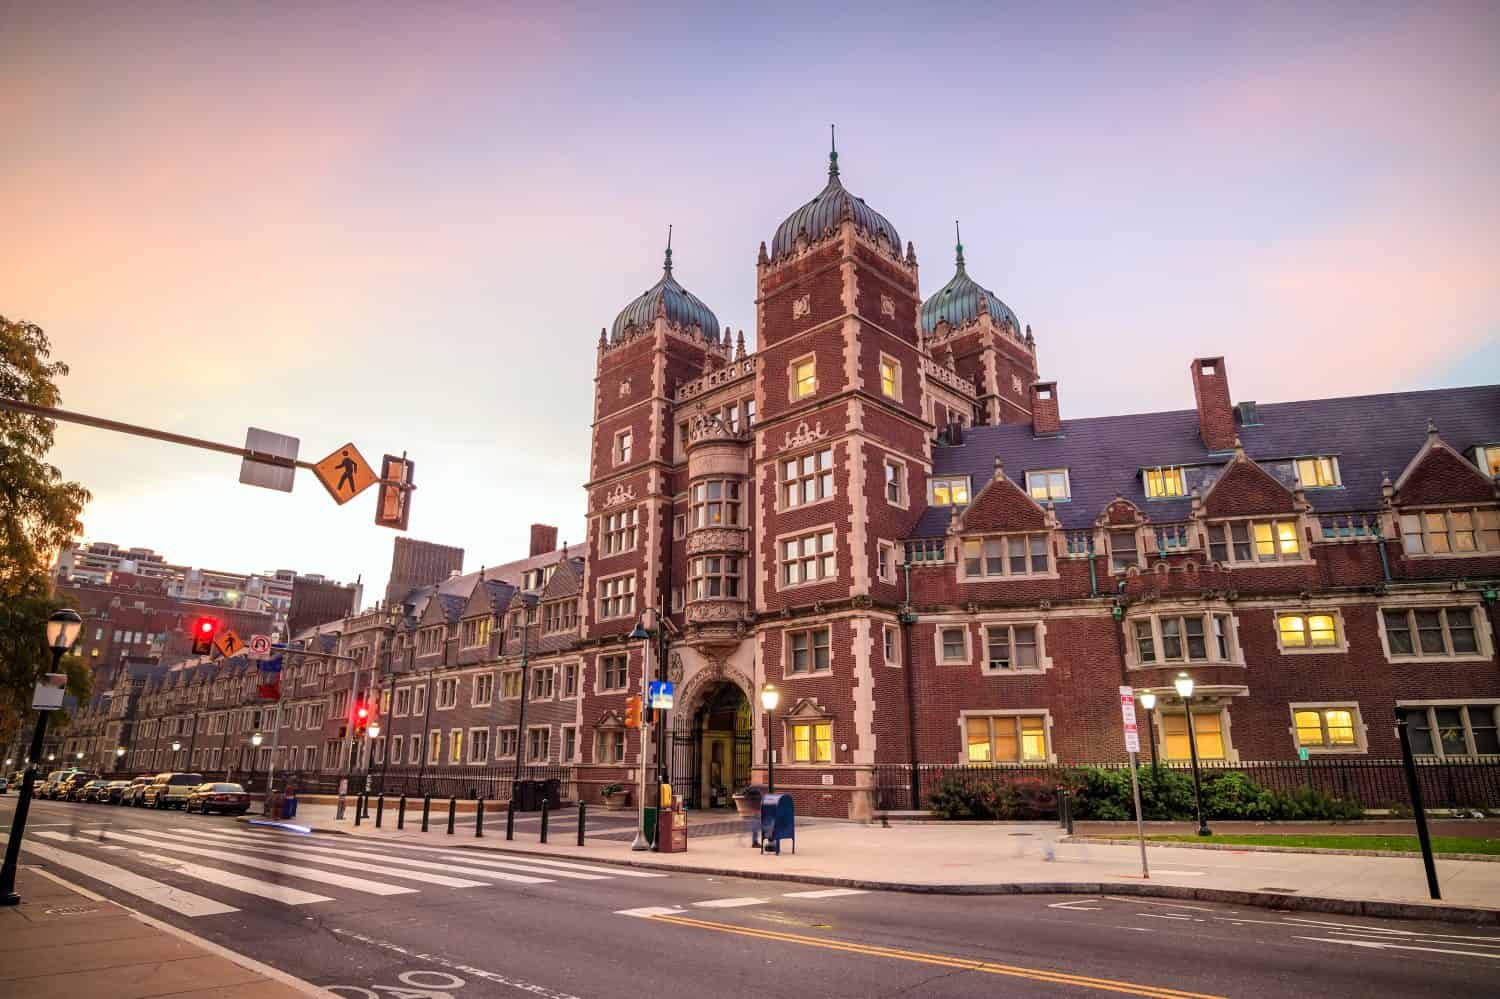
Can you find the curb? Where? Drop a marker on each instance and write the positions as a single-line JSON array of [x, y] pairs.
[[1374, 908], [1484, 858]]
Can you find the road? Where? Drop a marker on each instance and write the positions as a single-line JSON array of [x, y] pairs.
[[375, 920]]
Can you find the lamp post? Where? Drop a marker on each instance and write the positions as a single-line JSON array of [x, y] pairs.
[[119, 758], [643, 634], [1148, 705], [255, 741], [176, 747], [1184, 685], [62, 631], [769, 698]]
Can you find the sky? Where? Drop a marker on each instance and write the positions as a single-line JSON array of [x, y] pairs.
[[404, 225]]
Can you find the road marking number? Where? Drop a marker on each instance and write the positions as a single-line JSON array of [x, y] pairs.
[[413, 986]]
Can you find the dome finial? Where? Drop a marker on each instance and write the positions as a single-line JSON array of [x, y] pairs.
[[958, 245], [833, 152], [667, 263]]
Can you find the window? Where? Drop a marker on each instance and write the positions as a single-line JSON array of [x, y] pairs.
[[1207, 731], [1307, 631], [447, 693], [484, 689], [1447, 532], [812, 742], [807, 479], [456, 746], [560, 616], [1011, 648], [804, 378], [619, 532], [749, 412], [1253, 541], [1446, 730], [890, 648], [543, 683], [479, 745], [538, 745], [1487, 458], [434, 745], [570, 680], [955, 644], [1006, 738], [617, 597], [952, 490], [613, 671], [885, 561], [476, 632], [429, 641], [1318, 473], [1185, 638], [569, 744], [505, 743], [1049, 484], [419, 700], [510, 685], [714, 577], [397, 744], [1165, 482], [890, 378], [716, 504], [928, 550], [610, 746], [1122, 550], [622, 447], [807, 559], [895, 483], [809, 650], [679, 526], [1326, 728], [1430, 632], [1007, 555]]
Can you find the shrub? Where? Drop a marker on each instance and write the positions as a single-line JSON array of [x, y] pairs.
[[959, 796], [1104, 794]]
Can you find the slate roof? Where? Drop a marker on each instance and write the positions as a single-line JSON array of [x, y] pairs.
[[681, 306], [958, 301], [823, 213], [1371, 435]]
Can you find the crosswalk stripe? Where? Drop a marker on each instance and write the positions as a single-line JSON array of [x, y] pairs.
[[234, 882], [301, 848], [532, 862], [307, 873], [167, 896], [825, 893], [166, 840], [729, 903]]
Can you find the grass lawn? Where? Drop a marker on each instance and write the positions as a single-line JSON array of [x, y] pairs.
[[1406, 844]]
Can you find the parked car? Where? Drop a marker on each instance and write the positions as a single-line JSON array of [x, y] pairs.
[[69, 789], [57, 782], [218, 797], [88, 791], [132, 794], [110, 793], [170, 790], [16, 779]]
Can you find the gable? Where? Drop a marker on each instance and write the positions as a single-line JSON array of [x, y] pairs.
[[1122, 511], [1246, 488], [1003, 506], [1441, 475]]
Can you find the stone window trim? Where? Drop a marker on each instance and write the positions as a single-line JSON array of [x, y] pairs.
[[568, 734], [1209, 705], [622, 446], [821, 478], [475, 633], [506, 734], [889, 363], [813, 725], [963, 733], [510, 685], [938, 636], [1465, 706], [533, 744], [885, 561], [890, 641], [1127, 548], [611, 745], [473, 757], [1318, 471], [623, 597], [803, 387], [941, 490], [1433, 532], [902, 499], [543, 681], [1361, 730], [576, 666], [803, 558], [482, 694], [988, 555], [608, 664], [1341, 639], [445, 698], [1042, 485], [1484, 639], [1231, 551], [1008, 625], [813, 634], [716, 503], [1205, 613], [618, 532]]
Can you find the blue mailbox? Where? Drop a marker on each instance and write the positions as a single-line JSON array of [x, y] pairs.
[[777, 822]]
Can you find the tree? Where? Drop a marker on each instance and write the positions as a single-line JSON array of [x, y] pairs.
[[40, 512]]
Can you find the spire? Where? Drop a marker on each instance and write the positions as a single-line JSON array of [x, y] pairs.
[[833, 153], [958, 245], [666, 265]]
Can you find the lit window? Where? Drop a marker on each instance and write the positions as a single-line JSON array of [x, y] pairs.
[[1317, 473], [1430, 632], [1011, 648], [1253, 541], [805, 378], [1448, 730], [807, 479], [1007, 555], [476, 632], [890, 378], [1006, 739], [1207, 730], [810, 650], [812, 742], [1307, 631], [510, 684], [1164, 482], [456, 746], [951, 490], [716, 503], [1048, 485], [1488, 459], [807, 559], [1325, 728], [1445, 532]]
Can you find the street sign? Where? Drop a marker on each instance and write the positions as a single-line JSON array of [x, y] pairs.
[[275, 474], [660, 693], [345, 474], [228, 643], [1127, 714], [48, 695], [260, 646]]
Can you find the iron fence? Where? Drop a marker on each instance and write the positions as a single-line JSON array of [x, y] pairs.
[[490, 782], [1371, 783]]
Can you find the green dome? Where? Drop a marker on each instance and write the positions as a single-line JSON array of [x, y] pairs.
[[682, 307], [958, 301]]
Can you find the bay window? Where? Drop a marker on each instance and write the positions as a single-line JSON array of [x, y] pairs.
[[716, 504], [714, 576]]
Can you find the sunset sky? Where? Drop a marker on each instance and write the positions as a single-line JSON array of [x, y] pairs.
[[405, 227]]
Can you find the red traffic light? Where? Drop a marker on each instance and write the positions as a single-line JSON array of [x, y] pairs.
[[204, 630], [362, 712]]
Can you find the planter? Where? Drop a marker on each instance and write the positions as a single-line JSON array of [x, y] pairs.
[[748, 805], [617, 802]]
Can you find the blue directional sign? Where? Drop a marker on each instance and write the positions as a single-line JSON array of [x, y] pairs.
[[659, 694]]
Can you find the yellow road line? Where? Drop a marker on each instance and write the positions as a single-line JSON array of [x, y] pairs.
[[944, 960]]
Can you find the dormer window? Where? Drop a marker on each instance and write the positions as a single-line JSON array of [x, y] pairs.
[[1049, 485], [951, 490], [1487, 457], [1318, 473], [1165, 482]]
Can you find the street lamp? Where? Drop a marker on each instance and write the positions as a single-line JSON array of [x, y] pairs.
[[640, 633], [176, 746], [1148, 705], [769, 698], [62, 631], [1184, 685], [255, 741], [119, 757]]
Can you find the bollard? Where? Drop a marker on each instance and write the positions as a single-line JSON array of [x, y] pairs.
[[358, 811], [544, 820], [379, 809], [510, 820], [1069, 801], [479, 818], [426, 808], [401, 813], [452, 806], [580, 823]]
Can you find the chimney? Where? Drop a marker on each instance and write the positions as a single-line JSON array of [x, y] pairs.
[[543, 539], [1215, 412], [1045, 421]]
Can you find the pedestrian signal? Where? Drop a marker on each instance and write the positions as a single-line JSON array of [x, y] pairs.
[[633, 711]]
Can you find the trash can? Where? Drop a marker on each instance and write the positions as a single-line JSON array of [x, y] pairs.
[[527, 795], [777, 822], [551, 792], [648, 822]]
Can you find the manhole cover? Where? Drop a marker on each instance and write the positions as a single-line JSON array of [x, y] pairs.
[[72, 910]]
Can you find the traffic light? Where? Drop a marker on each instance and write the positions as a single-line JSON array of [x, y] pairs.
[[361, 718], [393, 502], [633, 711], [204, 630]]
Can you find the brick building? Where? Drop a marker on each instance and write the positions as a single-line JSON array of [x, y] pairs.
[[883, 512]]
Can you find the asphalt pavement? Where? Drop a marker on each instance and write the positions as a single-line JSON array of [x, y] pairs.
[[375, 919]]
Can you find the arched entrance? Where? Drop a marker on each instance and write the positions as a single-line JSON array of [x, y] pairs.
[[711, 749]]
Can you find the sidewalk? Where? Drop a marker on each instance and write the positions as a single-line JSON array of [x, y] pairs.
[[996, 858], [63, 942]]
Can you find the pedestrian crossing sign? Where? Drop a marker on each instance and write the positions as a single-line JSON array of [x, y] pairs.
[[228, 643], [345, 474]]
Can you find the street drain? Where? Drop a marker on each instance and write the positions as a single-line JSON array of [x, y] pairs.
[[72, 910]]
